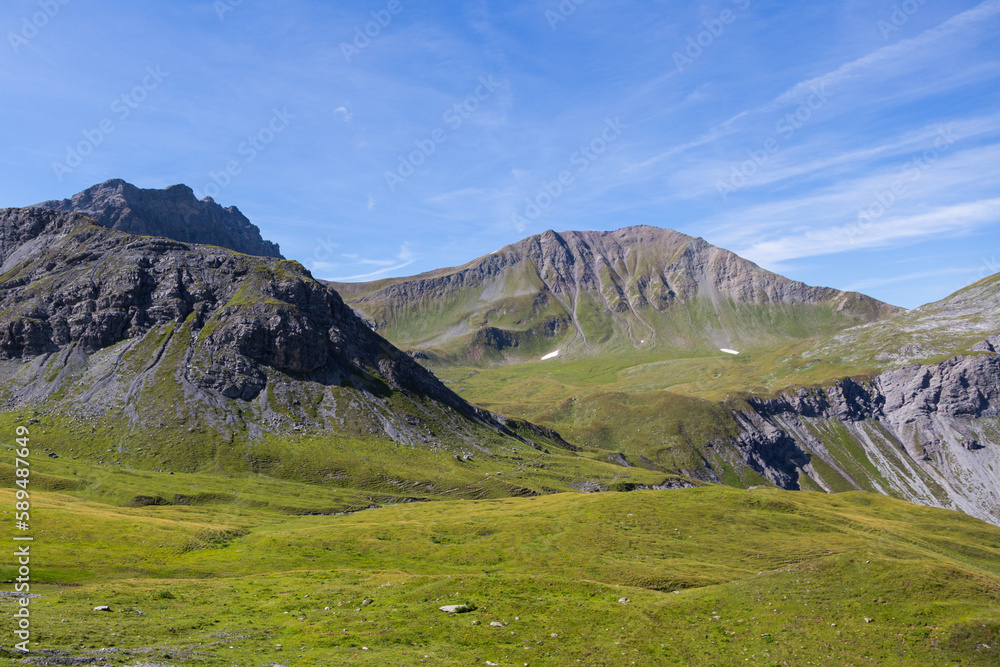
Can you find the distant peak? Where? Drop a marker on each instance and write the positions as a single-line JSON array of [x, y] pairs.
[[172, 212]]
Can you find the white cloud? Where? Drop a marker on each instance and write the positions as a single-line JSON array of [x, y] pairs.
[[945, 220], [404, 258], [863, 285], [901, 51], [902, 56], [801, 161], [823, 214]]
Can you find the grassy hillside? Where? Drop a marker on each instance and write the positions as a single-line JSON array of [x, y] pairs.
[[666, 408], [930, 333], [709, 576], [354, 473]]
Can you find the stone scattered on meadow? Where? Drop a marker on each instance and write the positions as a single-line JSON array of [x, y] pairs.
[[456, 608]]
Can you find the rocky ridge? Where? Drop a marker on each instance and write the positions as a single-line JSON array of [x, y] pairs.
[[928, 333], [172, 213], [925, 433]]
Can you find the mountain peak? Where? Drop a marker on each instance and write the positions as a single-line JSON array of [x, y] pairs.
[[173, 212], [590, 292]]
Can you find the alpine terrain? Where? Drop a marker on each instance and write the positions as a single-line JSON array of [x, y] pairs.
[[590, 293], [827, 392], [149, 352], [205, 427]]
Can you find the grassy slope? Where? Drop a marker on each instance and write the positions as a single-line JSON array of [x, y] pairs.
[[695, 327], [354, 473], [666, 406], [663, 407], [713, 575], [927, 334]]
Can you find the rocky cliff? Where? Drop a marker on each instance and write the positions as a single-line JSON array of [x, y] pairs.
[[925, 433], [592, 292], [151, 338], [172, 213]]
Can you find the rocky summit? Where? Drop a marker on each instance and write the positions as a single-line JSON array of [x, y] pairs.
[[585, 293], [173, 213]]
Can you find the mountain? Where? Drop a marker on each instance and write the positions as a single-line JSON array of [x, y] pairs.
[[172, 213], [584, 293], [148, 352], [929, 333], [907, 406], [923, 426]]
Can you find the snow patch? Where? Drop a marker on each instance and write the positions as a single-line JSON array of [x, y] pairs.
[[551, 355], [722, 349]]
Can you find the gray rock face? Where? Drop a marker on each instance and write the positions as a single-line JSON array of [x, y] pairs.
[[20, 233], [292, 324], [991, 344], [172, 213], [928, 434], [98, 319]]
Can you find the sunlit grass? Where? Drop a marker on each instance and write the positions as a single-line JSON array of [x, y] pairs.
[[711, 575]]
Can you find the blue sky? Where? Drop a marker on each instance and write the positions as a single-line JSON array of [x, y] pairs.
[[851, 144]]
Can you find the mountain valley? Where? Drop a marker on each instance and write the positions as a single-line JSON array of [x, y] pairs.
[[248, 465]]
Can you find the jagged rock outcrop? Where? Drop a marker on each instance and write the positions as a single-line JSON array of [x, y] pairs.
[[95, 321], [172, 213], [991, 344], [929, 434], [593, 292]]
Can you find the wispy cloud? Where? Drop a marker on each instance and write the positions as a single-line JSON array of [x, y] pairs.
[[899, 56], [828, 160], [882, 58], [946, 220], [405, 258]]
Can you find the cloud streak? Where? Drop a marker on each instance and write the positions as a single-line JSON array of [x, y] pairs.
[[405, 258], [943, 221]]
